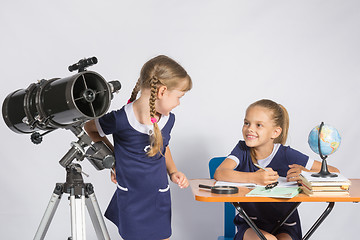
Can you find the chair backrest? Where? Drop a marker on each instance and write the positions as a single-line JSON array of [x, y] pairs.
[[229, 210], [214, 163]]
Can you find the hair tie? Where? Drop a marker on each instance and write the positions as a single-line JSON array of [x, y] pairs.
[[153, 120], [129, 101]]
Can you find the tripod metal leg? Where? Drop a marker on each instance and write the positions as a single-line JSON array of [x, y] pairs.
[[49, 213], [78, 191], [96, 217], [77, 206]]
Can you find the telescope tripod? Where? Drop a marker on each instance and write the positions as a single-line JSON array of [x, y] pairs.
[[80, 194]]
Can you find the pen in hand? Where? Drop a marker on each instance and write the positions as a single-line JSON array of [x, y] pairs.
[[258, 166], [271, 185]]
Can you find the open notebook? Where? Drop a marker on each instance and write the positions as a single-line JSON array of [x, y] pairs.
[[276, 192]]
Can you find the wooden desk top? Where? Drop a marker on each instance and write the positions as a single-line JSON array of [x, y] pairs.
[[204, 195]]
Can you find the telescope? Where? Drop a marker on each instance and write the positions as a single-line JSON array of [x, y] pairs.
[[64, 103]]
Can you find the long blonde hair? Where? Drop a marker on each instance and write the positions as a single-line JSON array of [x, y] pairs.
[[280, 116], [159, 71]]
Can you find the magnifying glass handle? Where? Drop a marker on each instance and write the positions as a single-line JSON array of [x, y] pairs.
[[204, 186]]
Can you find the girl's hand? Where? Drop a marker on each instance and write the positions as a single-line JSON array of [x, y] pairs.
[[294, 172], [180, 179], [113, 176], [266, 177]]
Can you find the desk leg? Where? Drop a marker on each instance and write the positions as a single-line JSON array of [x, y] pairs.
[[248, 220], [286, 217], [319, 221]]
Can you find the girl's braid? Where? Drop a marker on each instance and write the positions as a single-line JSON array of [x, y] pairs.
[[156, 139], [153, 88], [135, 91]]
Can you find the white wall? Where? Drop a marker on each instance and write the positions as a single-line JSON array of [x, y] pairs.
[[303, 54]]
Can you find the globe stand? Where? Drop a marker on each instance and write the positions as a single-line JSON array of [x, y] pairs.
[[324, 172]]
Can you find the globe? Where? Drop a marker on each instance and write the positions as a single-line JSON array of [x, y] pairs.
[[330, 139]]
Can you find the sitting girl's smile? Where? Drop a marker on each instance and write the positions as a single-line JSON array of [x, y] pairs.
[[259, 128]]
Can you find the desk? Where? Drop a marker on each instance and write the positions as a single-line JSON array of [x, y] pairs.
[[238, 198]]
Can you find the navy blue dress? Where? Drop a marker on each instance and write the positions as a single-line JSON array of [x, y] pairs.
[[141, 205], [266, 215]]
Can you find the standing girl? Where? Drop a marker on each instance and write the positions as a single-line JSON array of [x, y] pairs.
[[141, 205], [265, 131]]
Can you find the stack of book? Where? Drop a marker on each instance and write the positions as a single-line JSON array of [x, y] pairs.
[[330, 186]]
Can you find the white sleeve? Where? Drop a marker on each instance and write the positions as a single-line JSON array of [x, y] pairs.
[[234, 158], [98, 127], [309, 163]]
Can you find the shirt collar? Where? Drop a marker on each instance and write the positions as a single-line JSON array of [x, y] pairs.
[[143, 128]]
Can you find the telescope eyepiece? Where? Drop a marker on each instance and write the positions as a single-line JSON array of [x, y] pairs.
[[83, 64]]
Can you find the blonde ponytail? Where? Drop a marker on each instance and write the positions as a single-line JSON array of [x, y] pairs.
[[285, 122]]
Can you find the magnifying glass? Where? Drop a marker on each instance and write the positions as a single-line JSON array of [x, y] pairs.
[[221, 189]]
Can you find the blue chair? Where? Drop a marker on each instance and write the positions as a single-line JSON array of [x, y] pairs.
[[229, 210]]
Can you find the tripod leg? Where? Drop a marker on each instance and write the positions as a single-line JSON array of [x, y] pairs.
[[77, 209], [95, 214], [49, 213]]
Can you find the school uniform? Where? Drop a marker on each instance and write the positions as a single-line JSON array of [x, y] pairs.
[[141, 205], [266, 215]]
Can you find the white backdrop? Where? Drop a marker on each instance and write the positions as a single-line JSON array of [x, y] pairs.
[[303, 54]]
